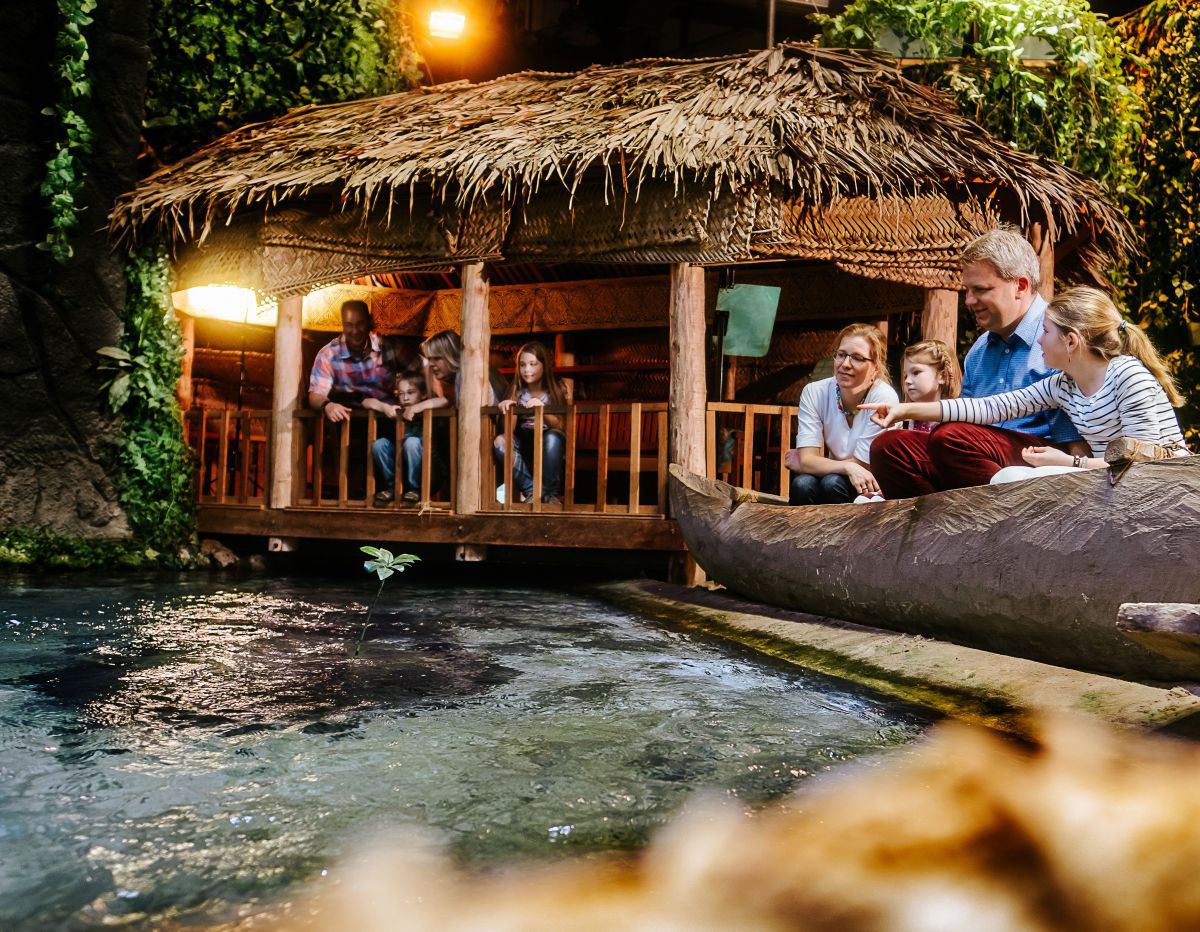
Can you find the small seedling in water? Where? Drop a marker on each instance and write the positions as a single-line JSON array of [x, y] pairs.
[[383, 563]]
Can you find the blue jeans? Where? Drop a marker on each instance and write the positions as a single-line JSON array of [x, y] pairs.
[[554, 448], [383, 451], [820, 490]]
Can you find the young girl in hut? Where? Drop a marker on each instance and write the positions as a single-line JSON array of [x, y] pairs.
[[1112, 384], [410, 392], [931, 373], [535, 385]]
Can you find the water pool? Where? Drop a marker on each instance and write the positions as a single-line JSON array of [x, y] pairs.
[[188, 750]]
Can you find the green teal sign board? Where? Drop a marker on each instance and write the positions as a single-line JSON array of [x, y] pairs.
[[751, 310]]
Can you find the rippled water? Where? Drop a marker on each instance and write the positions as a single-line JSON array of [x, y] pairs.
[[185, 751]]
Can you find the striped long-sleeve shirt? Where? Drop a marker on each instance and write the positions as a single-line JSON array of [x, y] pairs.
[[1130, 403]]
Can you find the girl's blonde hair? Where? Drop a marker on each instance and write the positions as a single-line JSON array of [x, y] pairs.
[[446, 345], [417, 379], [1091, 314], [936, 354], [875, 340], [550, 382]]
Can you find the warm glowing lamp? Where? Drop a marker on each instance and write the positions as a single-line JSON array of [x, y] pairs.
[[226, 302], [447, 24]]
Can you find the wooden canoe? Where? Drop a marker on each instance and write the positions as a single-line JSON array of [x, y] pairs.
[[1035, 569]]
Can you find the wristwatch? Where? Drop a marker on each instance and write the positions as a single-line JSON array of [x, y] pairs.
[[1077, 462]]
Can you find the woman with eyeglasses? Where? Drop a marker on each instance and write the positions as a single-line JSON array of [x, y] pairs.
[[830, 464]]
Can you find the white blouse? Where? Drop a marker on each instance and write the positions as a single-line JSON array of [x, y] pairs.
[[822, 424]]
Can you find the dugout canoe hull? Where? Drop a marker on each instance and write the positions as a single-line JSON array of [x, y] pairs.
[[1035, 569]]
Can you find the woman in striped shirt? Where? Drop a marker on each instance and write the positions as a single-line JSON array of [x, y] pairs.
[[1113, 384]]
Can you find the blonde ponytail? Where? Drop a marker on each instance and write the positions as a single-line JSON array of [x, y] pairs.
[[1091, 314]]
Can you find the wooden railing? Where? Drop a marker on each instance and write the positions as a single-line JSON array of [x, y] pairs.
[[334, 468], [746, 444], [231, 449], [614, 459]]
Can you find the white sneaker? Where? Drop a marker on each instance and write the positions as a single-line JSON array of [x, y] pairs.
[[869, 499]]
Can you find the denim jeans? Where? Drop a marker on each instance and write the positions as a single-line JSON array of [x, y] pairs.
[[383, 451], [820, 490], [554, 446]]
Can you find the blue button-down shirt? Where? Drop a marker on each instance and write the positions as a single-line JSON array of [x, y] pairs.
[[994, 365]]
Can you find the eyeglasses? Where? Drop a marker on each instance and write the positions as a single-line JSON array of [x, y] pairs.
[[841, 356]]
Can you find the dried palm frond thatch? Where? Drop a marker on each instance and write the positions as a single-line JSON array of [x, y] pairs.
[[810, 125]]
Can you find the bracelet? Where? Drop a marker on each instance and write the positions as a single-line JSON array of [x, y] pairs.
[[1077, 462]]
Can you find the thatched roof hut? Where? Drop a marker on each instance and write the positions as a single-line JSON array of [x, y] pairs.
[[795, 152]]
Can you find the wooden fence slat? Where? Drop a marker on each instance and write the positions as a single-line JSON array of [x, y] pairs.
[[343, 463], [372, 436], [300, 454], [569, 462], [453, 418], [785, 436], [710, 443], [318, 459], [244, 458], [662, 462], [748, 449], [635, 456], [426, 457], [223, 458], [539, 428], [602, 459], [203, 470], [510, 494]]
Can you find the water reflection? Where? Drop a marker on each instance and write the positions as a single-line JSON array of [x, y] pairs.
[[187, 751]]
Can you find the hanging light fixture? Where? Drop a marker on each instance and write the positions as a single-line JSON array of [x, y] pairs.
[[447, 22]]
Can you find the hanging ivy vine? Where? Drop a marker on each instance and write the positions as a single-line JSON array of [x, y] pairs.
[[155, 463], [1164, 69], [1046, 75], [64, 176]]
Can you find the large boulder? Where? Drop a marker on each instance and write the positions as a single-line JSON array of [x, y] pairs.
[[57, 455]]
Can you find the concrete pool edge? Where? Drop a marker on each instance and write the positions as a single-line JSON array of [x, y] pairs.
[[973, 685]]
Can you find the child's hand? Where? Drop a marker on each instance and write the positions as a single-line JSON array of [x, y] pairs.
[[1045, 456], [408, 413], [535, 403], [505, 405]]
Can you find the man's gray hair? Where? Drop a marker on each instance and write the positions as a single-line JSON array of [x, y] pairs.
[[1009, 253]]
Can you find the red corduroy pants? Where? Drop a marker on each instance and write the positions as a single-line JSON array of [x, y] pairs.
[[910, 462]]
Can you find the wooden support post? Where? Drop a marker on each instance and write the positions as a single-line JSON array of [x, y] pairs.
[[187, 327], [686, 402], [1043, 244], [939, 317], [285, 397], [473, 371]]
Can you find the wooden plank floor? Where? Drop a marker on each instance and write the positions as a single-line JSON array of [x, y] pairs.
[[617, 532]]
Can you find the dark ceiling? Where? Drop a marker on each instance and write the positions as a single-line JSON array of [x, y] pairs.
[[567, 35]]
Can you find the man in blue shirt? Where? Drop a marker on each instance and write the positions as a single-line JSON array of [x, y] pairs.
[[1001, 275]]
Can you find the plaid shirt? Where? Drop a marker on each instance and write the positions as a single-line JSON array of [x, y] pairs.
[[995, 365], [336, 370]]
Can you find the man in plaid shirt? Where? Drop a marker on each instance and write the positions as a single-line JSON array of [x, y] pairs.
[[358, 363]]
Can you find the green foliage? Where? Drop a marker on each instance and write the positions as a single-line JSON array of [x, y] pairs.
[[39, 549], [1164, 42], [155, 463], [383, 563], [64, 179], [1078, 110], [220, 63]]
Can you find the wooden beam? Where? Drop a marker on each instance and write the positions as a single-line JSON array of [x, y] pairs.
[[285, 397], [687, 398], [591, 531], [939, 317], [187, 327], [473, 371]]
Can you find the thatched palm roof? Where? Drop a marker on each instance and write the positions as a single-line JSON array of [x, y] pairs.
[[804, 127]]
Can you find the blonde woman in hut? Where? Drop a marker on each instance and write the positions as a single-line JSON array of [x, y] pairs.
[[442, 354], [833, 435], [1113, 384]]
